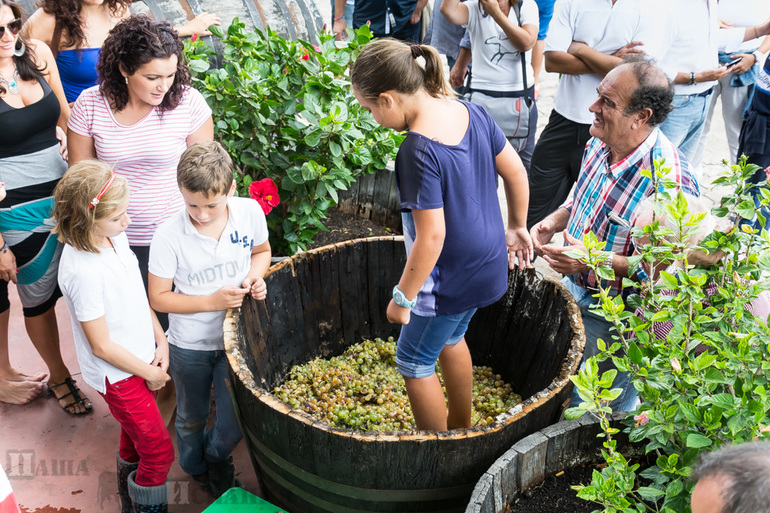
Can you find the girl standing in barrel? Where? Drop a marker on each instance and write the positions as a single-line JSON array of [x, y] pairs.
[[458, 251]]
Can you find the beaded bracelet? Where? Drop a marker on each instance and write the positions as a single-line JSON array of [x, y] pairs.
[[338, 18]]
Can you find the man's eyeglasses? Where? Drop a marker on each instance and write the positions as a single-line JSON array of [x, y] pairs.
[[13, 27]]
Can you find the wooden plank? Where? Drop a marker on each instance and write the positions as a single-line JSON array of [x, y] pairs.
[[531, 460], [564, 440], [366, 196], [326, 280]]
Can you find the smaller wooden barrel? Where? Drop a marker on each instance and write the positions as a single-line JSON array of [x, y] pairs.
[[320, 302]]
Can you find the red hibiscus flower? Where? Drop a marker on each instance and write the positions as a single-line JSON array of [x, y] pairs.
[[266, 193], [306, 55]]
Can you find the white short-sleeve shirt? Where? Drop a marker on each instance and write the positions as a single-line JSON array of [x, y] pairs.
[[693, 39], [146, 153], [606, 28], [201, 265], [496, 62], [107, 284], [744, 13]]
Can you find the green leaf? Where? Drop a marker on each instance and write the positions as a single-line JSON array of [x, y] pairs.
[[647, 492], [199, 65], [217, 31], [698, 441], [745, 209], [313, 138]]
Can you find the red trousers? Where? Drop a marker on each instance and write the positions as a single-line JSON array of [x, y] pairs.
[[143, 434]]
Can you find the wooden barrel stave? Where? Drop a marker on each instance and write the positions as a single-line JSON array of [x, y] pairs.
[[353, 466]]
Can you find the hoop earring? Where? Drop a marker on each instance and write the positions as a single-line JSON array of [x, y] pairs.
[[18, 52]]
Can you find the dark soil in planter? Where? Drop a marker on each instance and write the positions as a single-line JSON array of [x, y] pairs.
[[554, 494], [343, 226]]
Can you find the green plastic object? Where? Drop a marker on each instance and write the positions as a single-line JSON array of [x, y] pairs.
[[238, 500]]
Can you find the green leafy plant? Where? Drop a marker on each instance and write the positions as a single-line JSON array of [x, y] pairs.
[[284, 111], [705, 382]]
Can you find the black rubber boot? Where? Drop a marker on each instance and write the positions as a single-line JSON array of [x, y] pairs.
[[148, 499], [222, 477], [124, 469]]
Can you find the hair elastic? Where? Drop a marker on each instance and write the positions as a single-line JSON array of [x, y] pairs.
[[418, 54], [98, 197]]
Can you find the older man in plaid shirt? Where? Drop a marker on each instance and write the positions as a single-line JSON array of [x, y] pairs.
[[634, 99]]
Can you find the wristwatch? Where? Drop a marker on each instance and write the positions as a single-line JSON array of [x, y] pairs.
[[400, 299], [608, 262], [692, 79]]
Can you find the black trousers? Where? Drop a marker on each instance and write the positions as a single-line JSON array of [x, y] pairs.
[[555, 165], [143, 256]]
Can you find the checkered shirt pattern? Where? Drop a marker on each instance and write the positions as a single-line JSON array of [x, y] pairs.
[[619, 188]]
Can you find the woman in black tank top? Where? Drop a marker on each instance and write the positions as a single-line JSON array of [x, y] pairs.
[[33, 116]]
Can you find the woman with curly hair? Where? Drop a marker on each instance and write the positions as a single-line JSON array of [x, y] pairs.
[[33, 113], [140, 119], [76, 29]]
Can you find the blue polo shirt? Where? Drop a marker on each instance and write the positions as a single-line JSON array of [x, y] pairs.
[[472, 270]]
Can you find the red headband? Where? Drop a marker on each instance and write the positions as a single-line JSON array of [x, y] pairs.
[[98, 197]]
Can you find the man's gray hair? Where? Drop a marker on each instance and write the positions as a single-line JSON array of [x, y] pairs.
[[744, 470], [655, 91]]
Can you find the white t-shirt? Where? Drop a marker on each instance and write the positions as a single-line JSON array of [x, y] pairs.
[[693, 39], [605, 28], [146, 153], [496, 62], [744, 13], [201, 265], [107, 284]]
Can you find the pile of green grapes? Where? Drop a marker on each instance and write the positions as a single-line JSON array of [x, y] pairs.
[[362, 389]]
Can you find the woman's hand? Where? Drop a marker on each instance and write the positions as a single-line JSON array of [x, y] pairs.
[[8, 265], [491, 7], [61, 136], [199, 25]]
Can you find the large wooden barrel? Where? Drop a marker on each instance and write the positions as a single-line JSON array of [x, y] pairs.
[[321, 301], [292, 19]]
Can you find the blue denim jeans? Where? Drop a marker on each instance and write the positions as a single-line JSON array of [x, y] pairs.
[[684, 124], [598, 328], [193, 373]]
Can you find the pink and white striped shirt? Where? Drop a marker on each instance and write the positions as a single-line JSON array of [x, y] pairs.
[[146, 153]]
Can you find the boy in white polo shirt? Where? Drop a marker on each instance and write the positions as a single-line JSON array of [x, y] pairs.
[[204, 260]]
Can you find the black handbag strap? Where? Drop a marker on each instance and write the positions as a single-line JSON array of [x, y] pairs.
[[517, 10]]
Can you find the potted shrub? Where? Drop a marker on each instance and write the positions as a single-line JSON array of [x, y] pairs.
[[284, 111], [699, 358]]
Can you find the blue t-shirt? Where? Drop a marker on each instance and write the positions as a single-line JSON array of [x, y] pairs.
[[472, 270]]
